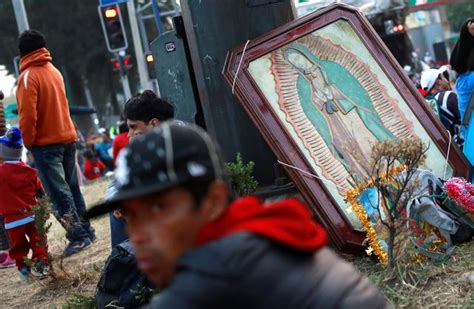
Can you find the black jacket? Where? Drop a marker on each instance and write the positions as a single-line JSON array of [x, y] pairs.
[[247, 271]]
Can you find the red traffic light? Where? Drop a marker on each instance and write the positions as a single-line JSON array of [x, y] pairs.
[[115, 64], [111, 12], [112, 25], [127, 60], [121, 64]]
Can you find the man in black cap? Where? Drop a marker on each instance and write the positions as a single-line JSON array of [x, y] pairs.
[[205, 251], [142, 113]]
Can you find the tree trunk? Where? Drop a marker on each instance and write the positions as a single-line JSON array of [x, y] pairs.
[[391, 243]]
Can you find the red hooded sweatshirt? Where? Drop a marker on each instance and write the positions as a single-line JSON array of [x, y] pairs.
[[287, 222], [19, 186]]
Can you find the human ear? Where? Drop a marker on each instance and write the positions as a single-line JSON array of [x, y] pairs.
[[215, 201], [154, 122]]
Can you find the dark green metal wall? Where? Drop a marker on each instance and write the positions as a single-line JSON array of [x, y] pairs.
[[213, 27]]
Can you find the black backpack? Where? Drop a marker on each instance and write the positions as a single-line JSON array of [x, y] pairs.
[[121, 283]]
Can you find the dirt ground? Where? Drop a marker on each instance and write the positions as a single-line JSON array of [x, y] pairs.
[[434, 284], [77, 274]]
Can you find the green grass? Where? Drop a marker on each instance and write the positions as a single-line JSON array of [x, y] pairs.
[[78, 301]]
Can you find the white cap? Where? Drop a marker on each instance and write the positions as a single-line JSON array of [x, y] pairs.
[[429, 77]]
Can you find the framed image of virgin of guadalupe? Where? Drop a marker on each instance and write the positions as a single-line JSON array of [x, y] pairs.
[[322, 90]]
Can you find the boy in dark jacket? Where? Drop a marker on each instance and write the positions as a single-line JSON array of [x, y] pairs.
[[19, 189], [206, 253]]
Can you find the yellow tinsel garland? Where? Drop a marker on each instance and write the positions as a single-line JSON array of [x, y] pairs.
[[352, 197]]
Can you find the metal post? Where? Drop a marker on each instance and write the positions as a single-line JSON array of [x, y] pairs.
[[142, 72], [90, 103], [156, 87], [123, 75], [20, 15], [143, 35], [175, 7], [126, 87], [16, 65], [156, 10]]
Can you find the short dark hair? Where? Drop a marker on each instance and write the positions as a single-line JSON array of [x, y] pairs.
[[29, 41], [122, 127], [146, 106], [89, 154]]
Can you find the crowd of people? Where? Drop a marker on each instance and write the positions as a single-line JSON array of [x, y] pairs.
[[448, 90], [170, 192]]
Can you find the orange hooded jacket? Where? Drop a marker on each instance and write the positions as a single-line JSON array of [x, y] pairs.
[[42, 104]]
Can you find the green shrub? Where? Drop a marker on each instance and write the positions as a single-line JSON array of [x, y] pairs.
[[242, 180], [42, 212]]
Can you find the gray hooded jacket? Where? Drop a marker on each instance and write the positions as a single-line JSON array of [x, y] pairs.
[[244, 270]]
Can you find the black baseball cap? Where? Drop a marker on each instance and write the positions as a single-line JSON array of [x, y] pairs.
[[170, 155]]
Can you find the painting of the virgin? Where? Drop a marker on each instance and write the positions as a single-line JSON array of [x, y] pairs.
[[323, 90]]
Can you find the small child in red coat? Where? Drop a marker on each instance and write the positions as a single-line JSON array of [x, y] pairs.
[[93, 167], [19, 189]]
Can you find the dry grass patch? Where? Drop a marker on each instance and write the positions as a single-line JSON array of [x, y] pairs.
[[428, 284]]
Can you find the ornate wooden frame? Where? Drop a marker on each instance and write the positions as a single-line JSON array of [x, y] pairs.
[[342, 233]]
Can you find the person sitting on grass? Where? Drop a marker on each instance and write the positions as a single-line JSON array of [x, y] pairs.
[[93, 167], [20, 189]]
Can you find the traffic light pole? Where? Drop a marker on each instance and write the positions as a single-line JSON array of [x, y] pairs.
[[123, 76], [20, 15], [142, 73], [126, 86]]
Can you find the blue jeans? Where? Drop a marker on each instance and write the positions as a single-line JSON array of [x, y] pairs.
[[56, 165], [117, 230], [117, 226]]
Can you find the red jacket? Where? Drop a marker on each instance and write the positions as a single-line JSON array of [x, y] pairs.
[[19, 187], [93, 169], [120, 142]]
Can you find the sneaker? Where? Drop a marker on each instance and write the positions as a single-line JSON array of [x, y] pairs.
[[91, 231], [76, 246], [7, 262], [24, 273], [3, 256], [40, 270], [92, 237]]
